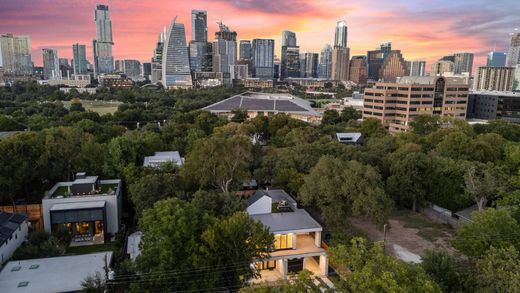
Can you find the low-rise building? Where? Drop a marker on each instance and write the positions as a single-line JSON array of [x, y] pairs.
[[297, 236], [312, 82], [14, 229], [115, 81], [264, 104], [53, 274], [254, 83], [160, 158], [89, 90], [397, 104], [350, 138], [494, 105], [89, 208], [79, 81]]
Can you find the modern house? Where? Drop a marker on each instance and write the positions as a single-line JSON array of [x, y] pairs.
[[14, 229], [266, 104], [297, 236], [89, 208], [350, 138], [162, 158], [53, 274]]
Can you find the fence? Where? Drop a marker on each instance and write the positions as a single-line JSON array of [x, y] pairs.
[[440, 215]]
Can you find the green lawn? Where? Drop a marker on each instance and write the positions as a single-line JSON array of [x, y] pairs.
[[100, 107], [91, 248]]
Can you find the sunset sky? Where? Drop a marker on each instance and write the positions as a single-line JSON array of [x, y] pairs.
[[421, 29]]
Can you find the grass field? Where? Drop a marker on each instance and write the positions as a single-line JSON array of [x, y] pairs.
[[100, 107]]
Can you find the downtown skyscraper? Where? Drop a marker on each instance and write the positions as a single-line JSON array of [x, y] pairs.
[[496, 59], [199, 48], [263, 58], [290, 62], [79, 59], [156, 64], [15, 54], [224, 49], [51, 65], [102, 45], [340, 53], [175, 59], [513, 57], [463, 63], [325, 64], [199, 25]]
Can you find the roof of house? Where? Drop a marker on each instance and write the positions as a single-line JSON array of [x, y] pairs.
[[6, 134], [286, 222], [53, 274], [267, 102], [8, 224], [349, 136], [466, 214], [133, 245], [163, 157]]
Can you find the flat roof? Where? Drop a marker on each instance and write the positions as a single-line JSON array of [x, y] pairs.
[[53, 274], [78, 205], [287, 222], [163, 157], [6, 134]]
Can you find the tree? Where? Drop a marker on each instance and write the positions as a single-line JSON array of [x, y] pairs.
[[349, 113], [302, 282], [371, 270], [40, 245], [217, 203], [511, 202], [499, 270], [239, 116], [220, 161], [372, 127], [341, 189], [149, 189], [94, 283], [482, 182], [443, 269], [425, 124], [490, 227], [330, 116]]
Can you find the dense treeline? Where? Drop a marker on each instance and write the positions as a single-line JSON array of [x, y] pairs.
[[441, 161]]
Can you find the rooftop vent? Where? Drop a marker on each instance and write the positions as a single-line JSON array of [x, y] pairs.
[[34, 267], [16, 268], [23, 284]]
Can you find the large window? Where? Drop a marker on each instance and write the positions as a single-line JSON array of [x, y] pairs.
[[283, 241], [266, 265]]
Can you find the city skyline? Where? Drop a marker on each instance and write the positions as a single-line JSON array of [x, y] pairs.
[[420, 30]]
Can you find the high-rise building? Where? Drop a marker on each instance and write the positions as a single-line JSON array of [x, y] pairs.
[[463, 63], [263, 58], [441, 67], [147, 69], [516, 81], [494, 78], [393, 67], [199, 26], [496, 59], [416, 68], [341, 35], [340, 63], [51, 65], [325, 66], [290, 62], [375, 61], [224, 49], [156, 75], [311, 65], [175, 58], [199, 57], [102, 45], [15, 55], [65, 68], [245, 50], [79, 61], [358, 70], [397, 104], [239, 71], [513, 56], [386, 48], [131, 68]]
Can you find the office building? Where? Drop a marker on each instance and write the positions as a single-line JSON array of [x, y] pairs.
[[199, 56], [156, 75], [393, 67], [440, 67], [396, 104], [375, 61], [516, 79], [386, 48], [79, 59], [65, 68], [245, 50], [102, 45], [199, 26], [311, 65], [51, 65], [341, 34], [496, 59], [290, 62], [224, 49], [239, 71], [493, 105], [147, 69], [513, 56], [325, 64], [263, 58], [175, 58], [15, 55], [463, 63], [494, 79], [416, 68], [131, 68], [358, 70], [340, 63], [225, 33]]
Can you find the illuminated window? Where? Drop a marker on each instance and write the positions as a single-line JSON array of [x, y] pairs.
[[282, 241]]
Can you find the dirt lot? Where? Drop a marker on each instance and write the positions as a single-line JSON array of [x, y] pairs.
[[408, 234]]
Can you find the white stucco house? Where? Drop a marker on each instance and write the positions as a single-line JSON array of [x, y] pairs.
[[14, 230]]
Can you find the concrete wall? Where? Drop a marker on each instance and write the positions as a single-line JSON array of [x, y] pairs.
[[19, 236]]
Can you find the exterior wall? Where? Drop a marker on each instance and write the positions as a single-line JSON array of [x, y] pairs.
[[393, 66], [491, 106], [18, 237], [494, 79], [358, 70], [261, 206], [340, 63]]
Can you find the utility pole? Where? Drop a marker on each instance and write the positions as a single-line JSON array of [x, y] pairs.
[[384, 234]]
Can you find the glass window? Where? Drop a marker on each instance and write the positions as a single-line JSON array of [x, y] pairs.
[[282, 241]]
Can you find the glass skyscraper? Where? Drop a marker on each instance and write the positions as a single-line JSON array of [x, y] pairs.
[[175, 59], [513, 57], [79, 56], [51, 65], [290, 62], [15, 54], [325, 64], [102, 45], [496, 59], [199, 25], [245, 50], [340, 38], [263, 58]]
